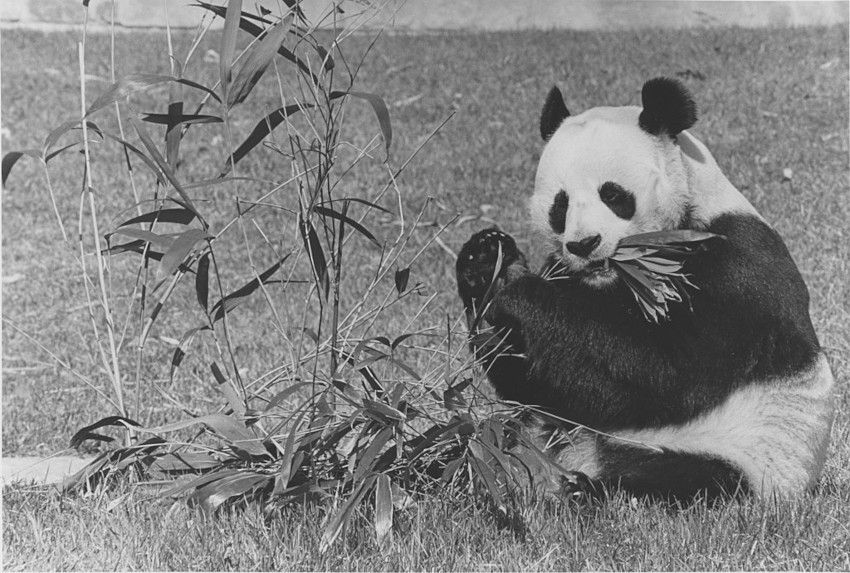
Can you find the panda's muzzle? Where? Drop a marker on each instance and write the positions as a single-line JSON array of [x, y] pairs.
[[600, 265], [584, 247]]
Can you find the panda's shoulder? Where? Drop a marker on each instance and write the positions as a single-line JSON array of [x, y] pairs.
[[750, 244], [752, 264]]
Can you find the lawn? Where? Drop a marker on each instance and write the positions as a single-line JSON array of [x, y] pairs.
[[770, 101]]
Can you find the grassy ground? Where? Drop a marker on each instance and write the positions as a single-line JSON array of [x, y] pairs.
[[769, 100], [46, 532]]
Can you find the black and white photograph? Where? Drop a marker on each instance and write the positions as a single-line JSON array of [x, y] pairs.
[[410, 285]]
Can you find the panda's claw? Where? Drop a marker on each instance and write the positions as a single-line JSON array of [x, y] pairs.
[[476, 263], [577, 486]]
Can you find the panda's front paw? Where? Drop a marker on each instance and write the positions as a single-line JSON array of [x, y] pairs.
[[476, 264]]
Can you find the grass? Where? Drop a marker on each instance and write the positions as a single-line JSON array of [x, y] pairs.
[[769, 100], [48, 532]]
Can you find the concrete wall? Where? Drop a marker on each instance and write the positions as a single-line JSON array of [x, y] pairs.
[[420, 15]]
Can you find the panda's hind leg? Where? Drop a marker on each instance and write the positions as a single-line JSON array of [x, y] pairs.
[[667, 474]]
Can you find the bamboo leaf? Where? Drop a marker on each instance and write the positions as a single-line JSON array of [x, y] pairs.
[[340, 520], [163, 241], [327, 212], [12, 157], [141, 155], [677, 236], [226, 388], [451, 469], [349, 392], [382, 409], [375, 356], [202, 277], [286, 393], [183, 244], [316, 255], [180, 351], [173, 133], [395, 396], [164, 167], [64, 128], [401, 499], [87, 432], [254, 64], [404, 337], [406, 367], [643, 295], [198, 482], [383, 511], [624, 254], [367, 458], [453, 397], [651, 266], [85, 475], [488, 479], [369, 204], [59, 151], [256, 30], [81, 437], [498, 456], [220, 181], [365, 372], [238, 296], [401, 278], [215, 493], [264, 127], [140, 246], [187, 119], [133, 83], [179, 216], [640, 276], [176, 462], [381, 112], [237, 435], [228, 45], [285, 474], [659, 266]]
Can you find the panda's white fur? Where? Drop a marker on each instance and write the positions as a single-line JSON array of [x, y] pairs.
[[770, 429]]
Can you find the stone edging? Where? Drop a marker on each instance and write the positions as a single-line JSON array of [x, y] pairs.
[[40, 471]]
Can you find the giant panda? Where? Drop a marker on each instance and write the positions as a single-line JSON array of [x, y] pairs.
[[730, 394]]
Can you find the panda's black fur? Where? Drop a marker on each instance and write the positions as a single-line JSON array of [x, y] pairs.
[[730, 394]]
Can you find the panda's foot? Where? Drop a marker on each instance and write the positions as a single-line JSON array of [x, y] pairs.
[[578, 487], [476, 265]]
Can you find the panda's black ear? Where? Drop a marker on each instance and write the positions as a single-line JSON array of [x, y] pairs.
[[668, 107], [554, 112]]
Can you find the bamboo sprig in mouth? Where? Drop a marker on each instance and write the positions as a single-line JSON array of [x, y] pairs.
[[651, 265]]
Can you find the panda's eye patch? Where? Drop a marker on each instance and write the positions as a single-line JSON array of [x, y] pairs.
[[558, 212], [620, 201]]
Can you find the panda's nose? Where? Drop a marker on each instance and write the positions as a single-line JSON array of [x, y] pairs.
[[584, 247]]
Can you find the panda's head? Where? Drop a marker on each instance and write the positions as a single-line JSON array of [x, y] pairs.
[[608, 173]]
